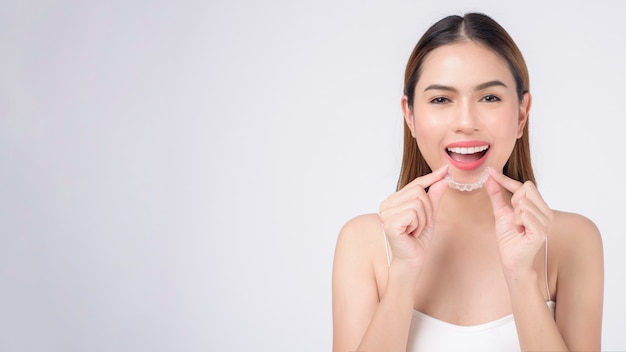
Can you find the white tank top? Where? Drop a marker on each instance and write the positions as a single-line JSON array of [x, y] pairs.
[[430, 334]]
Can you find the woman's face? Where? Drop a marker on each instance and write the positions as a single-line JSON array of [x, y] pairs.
[[466, 112]]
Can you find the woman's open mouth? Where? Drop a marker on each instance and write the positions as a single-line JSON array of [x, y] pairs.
[[467, 157]]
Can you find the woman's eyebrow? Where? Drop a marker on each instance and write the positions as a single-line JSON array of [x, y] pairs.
[[478, 87], [440, 87], [490, 84]]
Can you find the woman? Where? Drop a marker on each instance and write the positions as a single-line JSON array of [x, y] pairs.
[[468, 256]]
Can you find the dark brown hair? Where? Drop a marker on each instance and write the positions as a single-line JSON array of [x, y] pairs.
[[484, 30]]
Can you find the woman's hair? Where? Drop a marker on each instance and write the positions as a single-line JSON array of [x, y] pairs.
[[483, 30]]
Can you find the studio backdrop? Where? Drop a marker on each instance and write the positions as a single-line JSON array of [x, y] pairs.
[[174, 174]]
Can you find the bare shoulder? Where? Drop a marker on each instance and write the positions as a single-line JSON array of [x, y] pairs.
[[576, 247], [362, 234], [355, 288], [575, 226], [575, 234]]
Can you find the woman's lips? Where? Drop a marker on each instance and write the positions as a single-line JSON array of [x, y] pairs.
[[467, 156]]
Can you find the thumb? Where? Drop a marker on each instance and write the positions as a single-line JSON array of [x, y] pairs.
[[435, 192]]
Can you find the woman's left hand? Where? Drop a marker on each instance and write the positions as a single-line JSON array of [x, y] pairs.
[[521, 225]]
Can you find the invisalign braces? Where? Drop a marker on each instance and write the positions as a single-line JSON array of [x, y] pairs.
[[468, 187]]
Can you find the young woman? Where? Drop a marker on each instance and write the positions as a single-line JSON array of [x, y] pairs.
[[467, 257]]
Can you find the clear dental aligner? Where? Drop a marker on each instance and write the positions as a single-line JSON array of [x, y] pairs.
[[468, 187]]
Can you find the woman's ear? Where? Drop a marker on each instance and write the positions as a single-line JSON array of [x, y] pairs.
[[408, 114], [524, 111]]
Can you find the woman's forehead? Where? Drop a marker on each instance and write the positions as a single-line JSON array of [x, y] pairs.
[[463, 63]]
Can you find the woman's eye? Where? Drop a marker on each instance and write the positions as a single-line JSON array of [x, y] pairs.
[[491, 98], [439, 100]]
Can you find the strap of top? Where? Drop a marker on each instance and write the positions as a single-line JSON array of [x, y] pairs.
[[387, 248], [545, 263]]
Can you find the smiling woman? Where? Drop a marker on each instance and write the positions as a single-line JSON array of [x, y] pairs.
[[462, 261]]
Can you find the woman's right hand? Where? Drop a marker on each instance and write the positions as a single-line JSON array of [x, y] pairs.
[[408, 217]]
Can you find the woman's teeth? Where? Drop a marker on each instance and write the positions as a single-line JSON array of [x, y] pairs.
[[467, 154], [468, 150]]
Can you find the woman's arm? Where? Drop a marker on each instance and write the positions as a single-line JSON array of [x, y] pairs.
[[580, 282], [578, 255], [360, 321], [536, 328], [522, 226]]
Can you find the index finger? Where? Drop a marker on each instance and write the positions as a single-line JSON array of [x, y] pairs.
[[417, 187], [427, 180], [508, 183]]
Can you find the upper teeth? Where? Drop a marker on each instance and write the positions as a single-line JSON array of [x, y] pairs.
[[470, 150]]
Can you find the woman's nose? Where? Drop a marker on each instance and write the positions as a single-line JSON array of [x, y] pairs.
[[465, 120]]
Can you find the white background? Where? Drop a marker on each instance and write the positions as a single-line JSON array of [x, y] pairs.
[[173, 174]]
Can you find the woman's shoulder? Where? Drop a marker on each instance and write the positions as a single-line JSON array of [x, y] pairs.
[[574, 235], [362, 233], [361, 227], [361, 223], [570, 225]]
